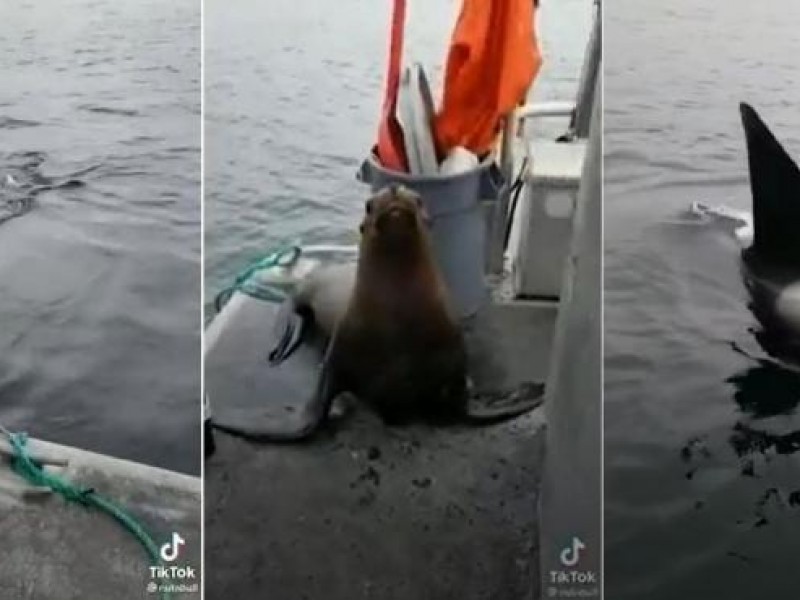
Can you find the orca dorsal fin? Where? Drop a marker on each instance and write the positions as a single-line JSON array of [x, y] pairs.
[[775, 184]]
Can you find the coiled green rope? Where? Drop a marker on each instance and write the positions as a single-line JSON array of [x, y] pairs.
[[24, 466]]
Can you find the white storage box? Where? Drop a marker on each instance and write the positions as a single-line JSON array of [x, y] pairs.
[[545, 213]]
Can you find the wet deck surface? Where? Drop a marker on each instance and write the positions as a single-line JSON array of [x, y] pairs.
[[368, 512]]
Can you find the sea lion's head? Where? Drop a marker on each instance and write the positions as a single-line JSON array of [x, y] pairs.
[[395, 221]]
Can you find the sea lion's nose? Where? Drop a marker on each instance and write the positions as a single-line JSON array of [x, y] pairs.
[[391, 219]]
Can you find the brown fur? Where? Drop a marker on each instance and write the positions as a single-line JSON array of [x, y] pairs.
[[398, 347]]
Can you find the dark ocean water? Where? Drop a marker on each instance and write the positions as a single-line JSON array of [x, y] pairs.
[[702, 424], [100, 278], [292, 102]]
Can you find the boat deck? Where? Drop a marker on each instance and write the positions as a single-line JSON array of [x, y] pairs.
[[366, 511], [55, 550]]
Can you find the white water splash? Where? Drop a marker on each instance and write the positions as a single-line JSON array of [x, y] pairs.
[[739, 221]]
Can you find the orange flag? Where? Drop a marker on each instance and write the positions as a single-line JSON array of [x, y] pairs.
[[492, 62], [390, 149]]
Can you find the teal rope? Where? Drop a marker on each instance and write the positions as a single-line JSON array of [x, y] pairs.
[[246, 282], [28, 469]]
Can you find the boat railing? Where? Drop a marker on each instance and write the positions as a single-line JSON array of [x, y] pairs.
[[579, 113]]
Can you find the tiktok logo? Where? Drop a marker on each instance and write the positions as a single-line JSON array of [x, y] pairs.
[[571, 555], [170, 551]]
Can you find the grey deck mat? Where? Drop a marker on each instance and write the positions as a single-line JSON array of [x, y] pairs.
[[247, 393]]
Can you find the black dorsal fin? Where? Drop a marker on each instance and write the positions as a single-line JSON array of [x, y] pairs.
[[775, 183]]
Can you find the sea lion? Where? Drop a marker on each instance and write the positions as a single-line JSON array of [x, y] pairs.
[[394, 341], [399, 347]]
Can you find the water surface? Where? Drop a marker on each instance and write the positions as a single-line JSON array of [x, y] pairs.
[[702, 424], [100, 277]]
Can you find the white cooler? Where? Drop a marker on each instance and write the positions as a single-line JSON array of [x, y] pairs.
[[546, 213]]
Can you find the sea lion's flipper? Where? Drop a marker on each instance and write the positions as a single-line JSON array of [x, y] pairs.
[[775, 184], [493, 407], [290, 326]]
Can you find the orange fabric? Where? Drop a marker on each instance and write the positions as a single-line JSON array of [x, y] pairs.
[[390, 148], [493, 59]]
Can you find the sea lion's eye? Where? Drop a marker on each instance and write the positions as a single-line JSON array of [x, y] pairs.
[[361, 228], [369, 207]]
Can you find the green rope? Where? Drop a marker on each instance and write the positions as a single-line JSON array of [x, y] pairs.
[[33, 473], [247, 283]]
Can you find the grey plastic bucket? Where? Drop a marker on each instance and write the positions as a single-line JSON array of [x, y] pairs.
[[458, 227]]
